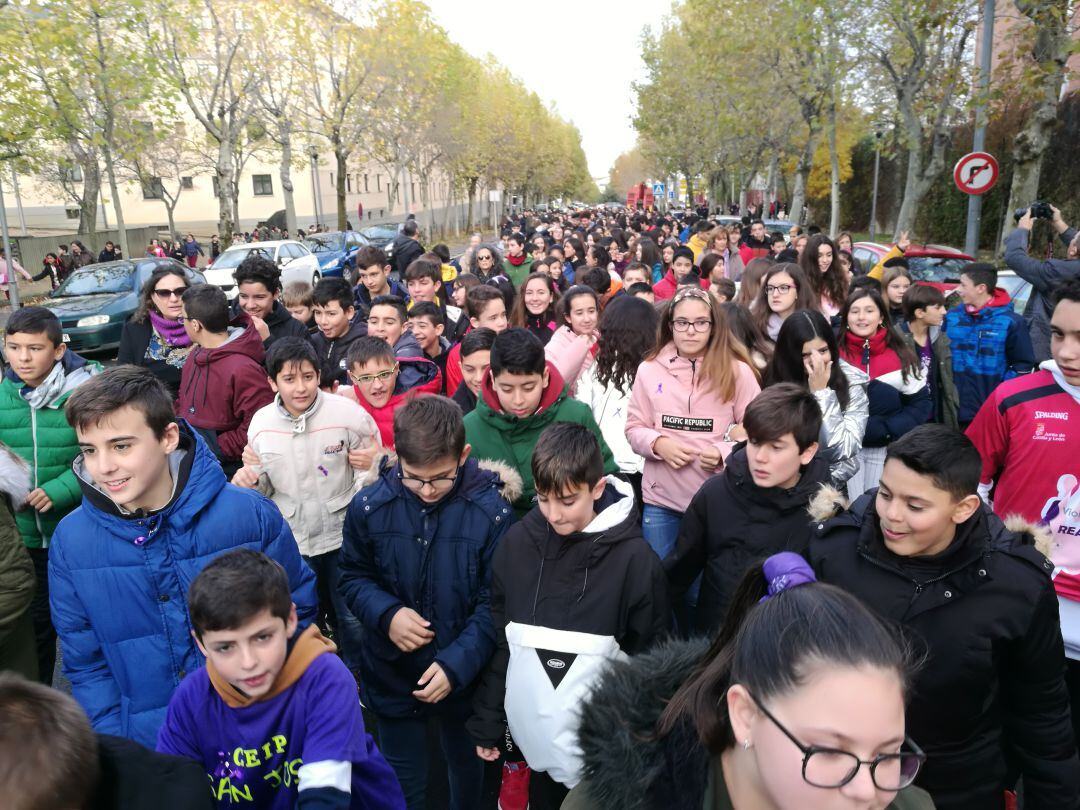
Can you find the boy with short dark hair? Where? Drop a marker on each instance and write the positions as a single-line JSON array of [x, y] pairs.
[[574, 586], [258, 282], [423, 278], [682, 264], [427, 325], [273, 716], [388, 319], [156, 508], [40, 377], [381, 381], [305, 441], [724, 289], [475, 356], [415, 569], [642, 289], [516, 265], [989, 705], [222, 383], [924, 313], [755, 507], [990, 342], [486, 307], [522, 394], [339, 328], [373, 277]]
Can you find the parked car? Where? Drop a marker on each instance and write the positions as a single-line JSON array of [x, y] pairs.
[[381, 236], [94, 301], [940, 266], [336, 252], [296, 262]]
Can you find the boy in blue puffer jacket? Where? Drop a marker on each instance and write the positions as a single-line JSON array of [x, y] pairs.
[[990, 341], [416, 571], [156, 508]]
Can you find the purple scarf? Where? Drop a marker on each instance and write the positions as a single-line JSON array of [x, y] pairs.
[[171, 331]]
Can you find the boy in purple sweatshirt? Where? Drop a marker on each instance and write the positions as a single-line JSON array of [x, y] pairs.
[[274, 717]]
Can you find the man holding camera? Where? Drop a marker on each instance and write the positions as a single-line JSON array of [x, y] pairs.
[[1043, 274]]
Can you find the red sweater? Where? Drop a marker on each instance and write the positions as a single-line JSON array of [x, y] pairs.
[[1028, 434]]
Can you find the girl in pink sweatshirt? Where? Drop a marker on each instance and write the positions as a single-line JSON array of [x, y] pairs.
[[573, 347], [686, 409]]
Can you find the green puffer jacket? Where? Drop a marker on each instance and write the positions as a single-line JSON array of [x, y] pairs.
[[16, 571], [500, 437], [47, 442]]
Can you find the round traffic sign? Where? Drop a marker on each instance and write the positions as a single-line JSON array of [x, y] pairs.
[[976, 173]]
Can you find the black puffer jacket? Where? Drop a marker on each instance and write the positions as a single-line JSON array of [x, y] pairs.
[[626, 766], [730, 525], [990, 697]]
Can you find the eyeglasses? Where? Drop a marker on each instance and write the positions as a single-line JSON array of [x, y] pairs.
[[700, 325], [368, 379], [177, 293], [417, 484], [834, 768], [779, 289]]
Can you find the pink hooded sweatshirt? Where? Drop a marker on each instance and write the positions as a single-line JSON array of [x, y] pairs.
[[571, 354], [669, 400]]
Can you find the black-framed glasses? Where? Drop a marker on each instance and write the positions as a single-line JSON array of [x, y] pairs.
[[782, 289], [415, 484], [833, 768], [700, 325]]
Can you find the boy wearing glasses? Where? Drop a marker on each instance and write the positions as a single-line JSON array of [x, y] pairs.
[[381, 381], [305, 440], [415, 570], [975, 596]]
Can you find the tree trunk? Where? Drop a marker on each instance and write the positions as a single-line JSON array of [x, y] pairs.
[[285, 172], [341, 154], [1049, 52], [170, 211], [224, 173], [121, 230], [88, 202], [834, 167], [471, 188], [802, 172]]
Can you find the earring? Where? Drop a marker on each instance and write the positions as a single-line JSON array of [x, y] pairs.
[[747, 745]]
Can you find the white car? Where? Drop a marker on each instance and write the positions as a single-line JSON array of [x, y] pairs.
[[295, 261]]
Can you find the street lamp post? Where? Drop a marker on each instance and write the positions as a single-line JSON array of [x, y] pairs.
[[877, 168], [974, 212], [316, 189]]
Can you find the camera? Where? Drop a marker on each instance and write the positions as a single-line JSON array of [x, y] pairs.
[[1039, 210]]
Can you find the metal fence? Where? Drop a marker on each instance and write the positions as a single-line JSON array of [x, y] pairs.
[[30, 250]]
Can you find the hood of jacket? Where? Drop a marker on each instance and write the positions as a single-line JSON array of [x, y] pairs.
[[243, 340], [616, 520], [999, 300], [765, 500], [475, 481], [489, 399], [197, 479], [408, 346]]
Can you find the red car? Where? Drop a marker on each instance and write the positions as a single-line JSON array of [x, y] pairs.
[[936, 265]]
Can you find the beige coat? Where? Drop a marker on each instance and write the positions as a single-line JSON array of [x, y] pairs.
[[304, 465]]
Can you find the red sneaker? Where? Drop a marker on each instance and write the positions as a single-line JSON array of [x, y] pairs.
[[514, 791]]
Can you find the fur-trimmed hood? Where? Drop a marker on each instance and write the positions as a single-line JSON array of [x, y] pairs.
[[511, 485]]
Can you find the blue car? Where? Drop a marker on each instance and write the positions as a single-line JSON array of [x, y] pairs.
[[95, 301], [336, 252]]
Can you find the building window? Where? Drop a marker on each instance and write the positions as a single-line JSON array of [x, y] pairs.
[[187, 182], [365, 183], [216, 184], [72, 173], [348, 183], [412, 190], [72, 213], [152, 189], [332, 180], [378, 182], [262, 185]]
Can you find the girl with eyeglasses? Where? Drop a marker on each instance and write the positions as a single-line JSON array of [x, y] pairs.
[[797, 704], [784, 290], [686, 408], [154, 336], [807, 354]]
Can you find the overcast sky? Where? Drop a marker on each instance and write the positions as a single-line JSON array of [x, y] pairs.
[[579, 56]]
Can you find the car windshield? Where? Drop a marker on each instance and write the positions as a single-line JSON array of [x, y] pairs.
[[325, 242], [232, 258], [378, 232], [99, 279], [936, 268]]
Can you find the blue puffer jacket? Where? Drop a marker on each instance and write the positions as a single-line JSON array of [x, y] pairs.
[[436, 559], [989, 346], [118, 586]]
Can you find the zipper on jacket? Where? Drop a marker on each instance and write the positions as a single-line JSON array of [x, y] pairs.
[[693, 382], [919, 586], [37, 514]]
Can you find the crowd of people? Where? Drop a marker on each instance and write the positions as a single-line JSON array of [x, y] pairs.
[[618, 510]]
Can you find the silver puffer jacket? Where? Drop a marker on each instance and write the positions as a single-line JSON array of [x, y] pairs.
[[842, 429]]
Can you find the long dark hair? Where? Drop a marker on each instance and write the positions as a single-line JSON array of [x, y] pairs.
[[521, 315], [146, 295], [833, 283], [650, 253], [627, 333], [804, 293], [742, 325], [787, 360], [567, 301], [909, 361], [771, 647]]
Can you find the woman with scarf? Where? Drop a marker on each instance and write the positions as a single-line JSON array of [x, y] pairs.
[[154, 336]]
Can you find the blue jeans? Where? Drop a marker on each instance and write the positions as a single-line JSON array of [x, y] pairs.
[[404, 743], [660, 528], [347, 631]]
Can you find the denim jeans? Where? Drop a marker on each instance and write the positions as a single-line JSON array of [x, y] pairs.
[[403, 741], [345, 628], [660, 528]]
